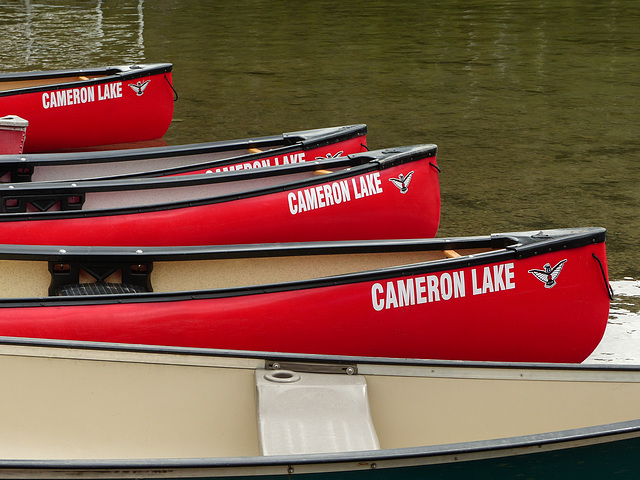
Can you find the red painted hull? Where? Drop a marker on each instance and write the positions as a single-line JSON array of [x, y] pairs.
[[345, 204], [498, 312], [114, 108]]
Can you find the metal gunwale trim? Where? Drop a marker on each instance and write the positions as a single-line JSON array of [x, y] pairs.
[[528, 247], [119, 73], [325, 359], [198, 252], [72, 158], [582, 237], [296, 140], [346, 132]]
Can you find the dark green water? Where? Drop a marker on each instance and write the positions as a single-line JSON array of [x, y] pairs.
[[535, 106]]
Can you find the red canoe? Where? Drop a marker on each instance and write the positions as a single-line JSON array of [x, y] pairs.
[[521, 297], [382, 194], [87, 107], [273, 150]]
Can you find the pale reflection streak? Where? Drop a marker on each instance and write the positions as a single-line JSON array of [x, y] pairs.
[[99, 16], [40, 35], [141, 28]]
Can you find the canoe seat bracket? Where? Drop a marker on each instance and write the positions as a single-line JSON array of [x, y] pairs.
[[17, 174], [66, 278], [41, 203]]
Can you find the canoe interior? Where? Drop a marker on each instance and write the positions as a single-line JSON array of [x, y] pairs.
[[14, 84], [114, 168], [140, 197], [110, 406], [21, 278]]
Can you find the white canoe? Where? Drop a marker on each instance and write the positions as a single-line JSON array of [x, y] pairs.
[[86, 410]]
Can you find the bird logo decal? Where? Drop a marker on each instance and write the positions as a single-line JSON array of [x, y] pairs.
[[548, 275], [139, 87], [402, 182], [330, 156]]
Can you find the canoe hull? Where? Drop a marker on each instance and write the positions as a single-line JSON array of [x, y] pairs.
[[490, 311], [128, 104]]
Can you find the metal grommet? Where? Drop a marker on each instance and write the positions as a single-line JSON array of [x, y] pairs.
[[282, 376]]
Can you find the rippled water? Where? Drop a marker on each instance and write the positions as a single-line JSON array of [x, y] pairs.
[[60, 34], [621, 342], [535, 106]]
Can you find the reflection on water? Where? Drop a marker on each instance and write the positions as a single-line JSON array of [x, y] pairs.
[[535, 106], [621, 342], [63, 34]]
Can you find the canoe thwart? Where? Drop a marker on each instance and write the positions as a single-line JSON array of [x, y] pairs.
[[303, 413], [67, 278], [451, 254]]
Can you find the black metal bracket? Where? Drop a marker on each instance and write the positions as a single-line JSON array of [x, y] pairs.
[[18, 173], [349, 369], [137, 275], [41, 203]]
